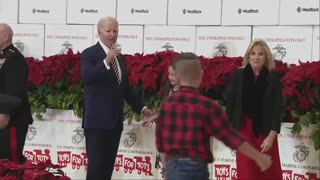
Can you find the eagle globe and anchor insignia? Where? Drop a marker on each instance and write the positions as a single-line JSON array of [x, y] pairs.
[[167, 47], [130, 139], [19, 45], [78, 136], [301, 153], [220, 50], [280, 52], [32, 132], [66, 46]]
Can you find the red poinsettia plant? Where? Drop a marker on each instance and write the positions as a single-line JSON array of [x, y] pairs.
[[302, 92], [55, 83], [149, 73], [31, 171]]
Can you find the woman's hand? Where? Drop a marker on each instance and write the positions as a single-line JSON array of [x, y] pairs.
[[268, 141], [150, 120]]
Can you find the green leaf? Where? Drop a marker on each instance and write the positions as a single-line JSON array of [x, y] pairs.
[[316, 139], [296, 129], [304, 120], [295, 114], [59, 84]]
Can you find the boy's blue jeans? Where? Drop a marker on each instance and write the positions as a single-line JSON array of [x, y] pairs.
[[186, 170]]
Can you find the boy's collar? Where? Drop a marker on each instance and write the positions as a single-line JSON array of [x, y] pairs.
[[188, 88]]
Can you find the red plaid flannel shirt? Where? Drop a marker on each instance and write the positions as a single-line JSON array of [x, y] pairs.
[[187, 120]]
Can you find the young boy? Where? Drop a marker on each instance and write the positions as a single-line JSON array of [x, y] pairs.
[[186, 122]]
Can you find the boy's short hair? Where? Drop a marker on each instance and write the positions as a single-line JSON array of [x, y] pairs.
[[187, 66]]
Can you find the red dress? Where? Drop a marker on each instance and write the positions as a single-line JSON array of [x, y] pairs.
[[246, 167]]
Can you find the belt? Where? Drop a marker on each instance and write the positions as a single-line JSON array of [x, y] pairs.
[[197, 160]]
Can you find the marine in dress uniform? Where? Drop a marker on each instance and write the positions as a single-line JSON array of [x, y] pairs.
[[9, 102], [13, 79]]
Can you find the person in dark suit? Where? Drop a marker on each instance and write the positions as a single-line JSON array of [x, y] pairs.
[[13, 78], [106, 87], [254, 105]]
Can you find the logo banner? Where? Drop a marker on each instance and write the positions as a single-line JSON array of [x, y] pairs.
[[42, 11], [40, 145], [250, 12], [89, 12], [142, 12], [60, 38], [59, 138], [190, 12], [222, 41], [299, 160], [296, 12], [288, 47], [224, 166], [130, 38], [136, 157], [176, 38], [29, 39]]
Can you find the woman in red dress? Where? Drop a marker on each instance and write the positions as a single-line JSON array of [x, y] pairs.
[[254, 105]]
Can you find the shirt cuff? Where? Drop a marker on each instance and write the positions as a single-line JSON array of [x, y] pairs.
[[107, 65], [143, 109]]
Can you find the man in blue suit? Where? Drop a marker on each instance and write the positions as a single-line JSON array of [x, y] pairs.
[[106, 87]]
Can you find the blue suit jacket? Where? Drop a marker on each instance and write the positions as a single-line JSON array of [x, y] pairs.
[[103, 96]]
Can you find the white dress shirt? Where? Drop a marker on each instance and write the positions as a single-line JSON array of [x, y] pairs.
[[106, 50]]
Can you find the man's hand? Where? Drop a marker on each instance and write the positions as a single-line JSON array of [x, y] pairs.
[[4, 120], [268, 141], [113, 52], [264, 161]]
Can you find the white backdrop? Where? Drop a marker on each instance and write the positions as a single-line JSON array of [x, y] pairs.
[[61, 139], [142, 12], [205, 27], [59, 38], [130, 38], [190, 12], [177, 38], [86, 12], [212, 41], [9, 11], [250, 12], [316, 43], [42, 11], [296, 12], [289, 47], [29, 39]]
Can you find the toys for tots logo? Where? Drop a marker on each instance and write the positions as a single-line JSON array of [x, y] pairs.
[[38, 156], [137, 163], [289, 175], [224, 172], [76, 160]]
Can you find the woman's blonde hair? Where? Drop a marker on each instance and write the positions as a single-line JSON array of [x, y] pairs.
[[259, 42]]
